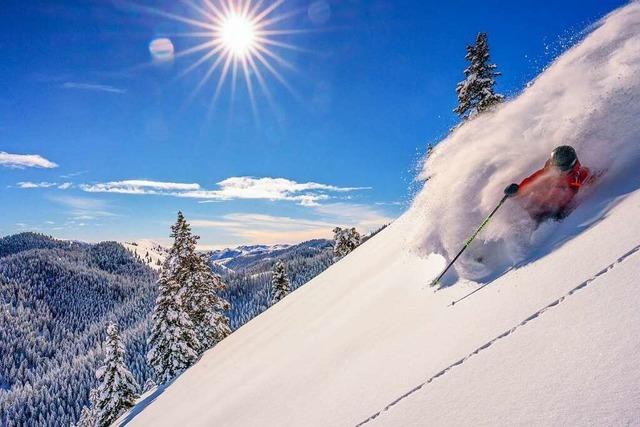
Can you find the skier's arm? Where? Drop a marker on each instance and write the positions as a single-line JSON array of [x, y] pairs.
[[513, 189], [530, 179]]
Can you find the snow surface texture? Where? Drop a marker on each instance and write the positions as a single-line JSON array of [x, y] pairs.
[[551, 342], [566, 378], [149, 252], [589, 98]]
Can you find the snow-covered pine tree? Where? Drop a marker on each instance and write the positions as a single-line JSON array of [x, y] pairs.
[[354, 239], [117, 390], [280, 286], [202, 301], [148, 385], [337, 243], [476, 92], [173, 343], [88, 416], [345, 241]]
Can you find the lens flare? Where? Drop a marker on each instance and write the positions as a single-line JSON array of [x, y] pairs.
[[240, 39], [161, 49]]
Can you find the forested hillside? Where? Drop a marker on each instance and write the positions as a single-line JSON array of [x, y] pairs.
[[249, 281], [58, 296], [56, 299]]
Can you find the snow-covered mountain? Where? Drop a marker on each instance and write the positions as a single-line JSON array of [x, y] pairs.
[[228, 260], [148, 251], [551, 341], [224, 255], [254, 256]]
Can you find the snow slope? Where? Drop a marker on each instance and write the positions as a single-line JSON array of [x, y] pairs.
[[149, 251], [563, 365], [551, 342]]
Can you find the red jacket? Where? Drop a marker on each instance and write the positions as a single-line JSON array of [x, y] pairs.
[[549, 192]]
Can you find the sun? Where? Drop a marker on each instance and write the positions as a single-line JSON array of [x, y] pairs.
[[238, 35], [239, 40]]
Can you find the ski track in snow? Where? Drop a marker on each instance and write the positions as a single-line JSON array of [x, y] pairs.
[[504, 334]]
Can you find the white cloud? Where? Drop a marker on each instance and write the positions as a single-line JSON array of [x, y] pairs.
[[21, 161], [242, 220], [29, 184], [244, 187], [44, 184], [139, 186], [389, 203], [93, 87], [266, 229], [73, 174], [273, 188], [249, 228]]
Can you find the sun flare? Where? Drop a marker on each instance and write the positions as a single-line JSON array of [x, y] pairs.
[[240, 40], [238, 35]]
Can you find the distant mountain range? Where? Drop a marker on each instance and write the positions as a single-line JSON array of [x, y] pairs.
[[223, 255], [246, 257], [231, 260]]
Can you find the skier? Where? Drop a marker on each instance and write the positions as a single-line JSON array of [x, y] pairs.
[[549, 192]]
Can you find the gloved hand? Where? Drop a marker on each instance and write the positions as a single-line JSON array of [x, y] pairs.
[[512, 190]]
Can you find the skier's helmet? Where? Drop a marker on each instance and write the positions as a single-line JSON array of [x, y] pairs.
[[564, 157]]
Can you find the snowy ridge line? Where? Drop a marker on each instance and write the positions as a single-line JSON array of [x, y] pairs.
[[504, 334]]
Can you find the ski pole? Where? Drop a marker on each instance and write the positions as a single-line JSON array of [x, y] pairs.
[[470, 239]]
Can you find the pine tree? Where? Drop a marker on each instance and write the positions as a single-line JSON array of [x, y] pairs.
[[173, 342], [203, 303], [148, 385], [117, 389], [345, 241], [88, 416], [337, 243], [476, 92], [279, 283]]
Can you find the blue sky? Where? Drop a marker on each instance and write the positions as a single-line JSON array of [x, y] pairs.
[[118, 142]]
